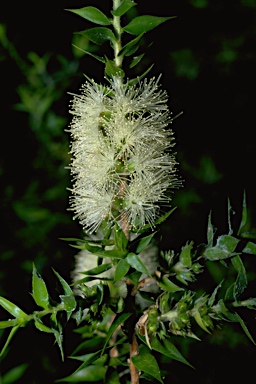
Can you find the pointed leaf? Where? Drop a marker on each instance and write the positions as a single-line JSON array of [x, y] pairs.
[[131, 47], [99, 58], [241, 281], [168, 285], [146, 362], [12, 309], [145, 23], [136, 60], [58, 338], [89, 374], [162, 218], [244, 217], [119, 319], [112, 70], [98, 35], [14, 374], [66, 288], [134, 277], [137, 264], [11, 334], [144, 242], [215, 253], [121, 240], [92, 14], [121, 270], [250, 248], [228, 243], [97, 270], [245, 329], [39, 325], [185, 255], [210, 231], [166, 348], [229, 218], [69, 303], [39, 290], [123, 7], [213, 295]]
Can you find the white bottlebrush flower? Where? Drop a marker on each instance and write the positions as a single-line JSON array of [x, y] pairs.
[[121, 160]]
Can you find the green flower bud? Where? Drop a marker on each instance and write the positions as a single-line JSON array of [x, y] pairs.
[[184, 318], [182, 306], [207, 321], [203, 310], [94, 308]]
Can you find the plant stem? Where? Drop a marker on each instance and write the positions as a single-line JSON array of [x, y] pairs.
[[118, 32], [118, 59]]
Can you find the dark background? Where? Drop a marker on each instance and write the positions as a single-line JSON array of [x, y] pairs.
[[207, 59]]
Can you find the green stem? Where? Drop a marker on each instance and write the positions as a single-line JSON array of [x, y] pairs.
[[44, 312], [118, 33]]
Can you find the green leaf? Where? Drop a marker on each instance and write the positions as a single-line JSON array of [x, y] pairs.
[[134, 277], [166, 348], [119, 319], [131, 47], [66, 288], [121, 270], [98, 251], [92, 14], [99, 58], [146, 362], [58, 338], [227, 243], [121, 240], [200, 321], [215, 253], [250, 248], [213, 295], [136, 60], [12, 309], [185, 255], [123, 7], [229, 218], [168, 285], [112, 70], [244, 217], [142, 24], [245, 329], [39, 290], [73, 239], [89, 374], [144, 242], [162, 218], [137, 264], [39, 325], [98, 35], [69, 303], [11, 334], [97, 270], [14, 374], [241, 281], [210, 231]]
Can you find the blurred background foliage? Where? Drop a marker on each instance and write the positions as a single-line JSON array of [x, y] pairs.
[[207, 58]]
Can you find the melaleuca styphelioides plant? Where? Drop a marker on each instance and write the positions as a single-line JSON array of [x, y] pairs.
[[128, 298]]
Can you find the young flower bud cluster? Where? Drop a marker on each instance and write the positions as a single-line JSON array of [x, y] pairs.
[[121, 161]]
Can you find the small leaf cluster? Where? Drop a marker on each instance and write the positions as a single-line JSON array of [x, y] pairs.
[[50, 310], [109, 30]]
